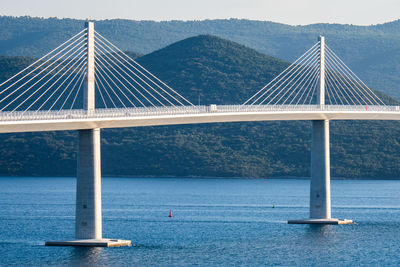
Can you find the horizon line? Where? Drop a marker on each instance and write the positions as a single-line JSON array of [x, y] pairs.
[[198, 20]]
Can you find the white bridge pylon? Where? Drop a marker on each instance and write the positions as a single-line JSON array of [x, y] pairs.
[[87, 83], [56, 82], [299, 84]]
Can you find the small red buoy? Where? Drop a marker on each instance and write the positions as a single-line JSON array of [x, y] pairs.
[[170, 214]]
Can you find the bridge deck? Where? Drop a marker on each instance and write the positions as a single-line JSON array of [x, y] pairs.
[[135, 117]]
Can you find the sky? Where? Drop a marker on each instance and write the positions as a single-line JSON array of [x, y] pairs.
[[294, 12]]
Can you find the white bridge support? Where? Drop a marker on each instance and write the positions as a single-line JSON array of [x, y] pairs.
[[320, 183], [88, 222], [88, 215]]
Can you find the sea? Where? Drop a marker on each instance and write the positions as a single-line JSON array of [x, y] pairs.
[[216, 222]]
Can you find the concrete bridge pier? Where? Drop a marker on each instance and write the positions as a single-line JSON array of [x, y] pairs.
[[320, 184], [88, 221], [88, 224]]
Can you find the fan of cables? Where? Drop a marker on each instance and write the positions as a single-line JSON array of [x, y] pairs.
[[56, 81], [122, 82], [53, 82], [298, 83]]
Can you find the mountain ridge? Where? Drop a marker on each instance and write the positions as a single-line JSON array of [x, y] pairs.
[[26, 36]]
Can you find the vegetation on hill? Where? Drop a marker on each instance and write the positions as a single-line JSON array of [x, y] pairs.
[[213, 70], [10, 65], [220, 71]]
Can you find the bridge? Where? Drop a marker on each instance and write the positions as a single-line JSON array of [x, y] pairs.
[[57, 92]]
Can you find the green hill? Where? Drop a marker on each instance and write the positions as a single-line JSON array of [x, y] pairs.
[[220, 71], [217, 70]]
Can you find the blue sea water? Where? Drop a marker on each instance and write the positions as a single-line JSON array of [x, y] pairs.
[[217, 222]]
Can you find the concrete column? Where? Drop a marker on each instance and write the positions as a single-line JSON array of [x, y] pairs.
[[88, 94], [321, 91], [320, 185], [88, 223], [320, 190], [88, 218]]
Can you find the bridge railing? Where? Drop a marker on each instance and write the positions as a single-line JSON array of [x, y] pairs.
[[272, 108], [158, 111], [100, 113]]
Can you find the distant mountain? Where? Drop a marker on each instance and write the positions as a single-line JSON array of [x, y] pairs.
[[200, 65], [371, 51], [218, 70]]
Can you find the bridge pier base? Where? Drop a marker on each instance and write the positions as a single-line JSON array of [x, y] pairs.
[[320, 184], [88, 221]]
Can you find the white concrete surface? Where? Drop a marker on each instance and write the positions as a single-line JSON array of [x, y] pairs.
[[117, 119], [321, 221], [91, 243], [320, 184], [321, 92], [89, 92], [88, 224]]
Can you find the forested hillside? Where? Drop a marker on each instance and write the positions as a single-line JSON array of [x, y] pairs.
[[220, 71]]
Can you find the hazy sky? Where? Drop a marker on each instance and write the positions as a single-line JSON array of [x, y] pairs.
[[361, 12]]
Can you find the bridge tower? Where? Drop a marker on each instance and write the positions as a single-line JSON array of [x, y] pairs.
[[88, 213], [320, 183], [88, 223], [320, 188]]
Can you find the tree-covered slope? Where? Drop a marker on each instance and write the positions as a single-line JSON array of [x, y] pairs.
[[217, 70], [220, 71], [10, 65]]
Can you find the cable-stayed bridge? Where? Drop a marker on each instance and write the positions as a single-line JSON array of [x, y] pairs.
[[87, 83]]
